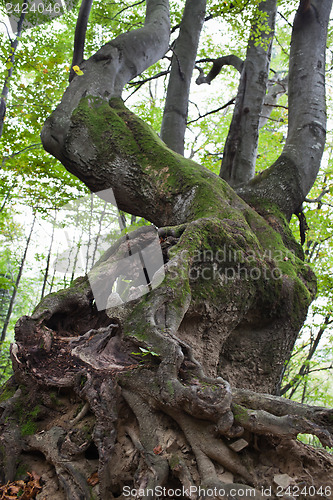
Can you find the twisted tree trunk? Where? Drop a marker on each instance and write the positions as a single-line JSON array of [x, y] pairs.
[[173, 389]]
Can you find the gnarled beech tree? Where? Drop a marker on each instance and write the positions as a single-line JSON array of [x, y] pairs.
[[202, 409]]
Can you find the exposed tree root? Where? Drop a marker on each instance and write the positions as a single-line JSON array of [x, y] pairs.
[[158, 419]]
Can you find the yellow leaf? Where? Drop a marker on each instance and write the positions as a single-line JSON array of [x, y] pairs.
[[77, 70]]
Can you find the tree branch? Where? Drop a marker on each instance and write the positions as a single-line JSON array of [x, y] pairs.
[[230, 60], [80, 35], [240, 150], [145, 80], [319, 198], [126, 8], [262, 422], [213, 111], [302, 153], [185, 50], [106, 72]]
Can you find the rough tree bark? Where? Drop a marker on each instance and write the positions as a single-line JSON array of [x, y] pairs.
[[198, 410]]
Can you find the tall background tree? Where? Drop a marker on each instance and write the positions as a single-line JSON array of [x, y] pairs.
[[179, 387]]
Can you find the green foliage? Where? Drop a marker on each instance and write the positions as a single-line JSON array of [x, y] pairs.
[[313, 441], [6, 393], [315, 383], [6, 370], [145, 352]]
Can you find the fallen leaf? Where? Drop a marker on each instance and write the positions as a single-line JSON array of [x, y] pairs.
[[94, 479]]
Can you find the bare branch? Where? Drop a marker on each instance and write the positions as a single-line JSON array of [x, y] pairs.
[[116, 63], [5, 25], [213, 111], [230, 60], [319, 198], [325, 368], [145, 80], [126, 8]]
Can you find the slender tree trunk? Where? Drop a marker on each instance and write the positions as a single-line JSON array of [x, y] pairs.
[[80, 35], [100, 221], [76, 248], [240, 150], [16, 285], [53, 274], [276, 89], [10, 60], [217, 328], [7, 197], [90, 223], [184, 54], [46, 273]]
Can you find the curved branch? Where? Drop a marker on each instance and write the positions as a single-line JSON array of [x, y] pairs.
[[107, 71], [230, 60], [80, 35], [300, 160], [11, 60], [213, 111]]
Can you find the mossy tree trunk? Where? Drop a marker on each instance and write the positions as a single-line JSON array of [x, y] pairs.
[[199, 407]]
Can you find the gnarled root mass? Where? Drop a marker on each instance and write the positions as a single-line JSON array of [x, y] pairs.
[[156, 397]]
